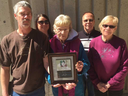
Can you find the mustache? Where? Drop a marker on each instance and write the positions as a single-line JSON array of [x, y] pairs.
[[26, 20]]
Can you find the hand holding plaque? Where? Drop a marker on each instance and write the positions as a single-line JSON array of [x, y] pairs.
[[69, 86], [79, 66], [56, 85]]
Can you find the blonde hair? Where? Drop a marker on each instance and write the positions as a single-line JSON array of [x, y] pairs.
[[107, 19], [62, 20]]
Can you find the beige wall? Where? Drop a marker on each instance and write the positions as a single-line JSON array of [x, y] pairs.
[[0, 83], [73, 8]]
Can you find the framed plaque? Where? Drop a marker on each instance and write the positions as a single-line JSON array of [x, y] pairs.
[[62, 68]]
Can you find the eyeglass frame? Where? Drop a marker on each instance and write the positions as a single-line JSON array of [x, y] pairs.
[[60, 30], [110, 26], [90, 20], [42, 22]]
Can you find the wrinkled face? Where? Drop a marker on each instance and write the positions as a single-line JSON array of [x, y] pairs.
[[62, 32], [88, 22], [108, 28], [24, 17], [43, 24]]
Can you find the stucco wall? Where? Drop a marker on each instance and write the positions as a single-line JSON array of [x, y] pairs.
[[73, 8]]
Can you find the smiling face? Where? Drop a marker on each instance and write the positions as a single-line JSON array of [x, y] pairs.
[[88, 22], [43, 24], [108, 28], [62, 32], [24, 17]]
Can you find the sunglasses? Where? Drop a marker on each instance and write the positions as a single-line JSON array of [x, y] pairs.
[[90, 20], [42, 22], [110, 26]]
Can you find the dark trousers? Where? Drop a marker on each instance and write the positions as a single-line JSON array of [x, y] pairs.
[[89, 85], [108, 93]]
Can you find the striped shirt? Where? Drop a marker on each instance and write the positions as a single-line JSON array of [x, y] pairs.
[[86, 38]]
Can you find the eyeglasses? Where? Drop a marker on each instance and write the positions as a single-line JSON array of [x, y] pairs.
[[42, 22], [110, 26], [90, 20], [60, 30], [23, 14]]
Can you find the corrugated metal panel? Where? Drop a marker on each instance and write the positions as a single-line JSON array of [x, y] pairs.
[[73, 8]]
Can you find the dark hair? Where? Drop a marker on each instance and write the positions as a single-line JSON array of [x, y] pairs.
[[50, 33], [89, 12]]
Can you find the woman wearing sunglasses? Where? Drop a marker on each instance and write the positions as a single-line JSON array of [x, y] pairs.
[[43, 24], [108, 56]]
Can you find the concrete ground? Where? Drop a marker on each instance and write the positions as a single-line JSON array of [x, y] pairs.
[[48, 89], [125, 94]]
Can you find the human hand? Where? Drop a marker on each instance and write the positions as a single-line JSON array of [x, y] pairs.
[[69, 86], [46, 64], [108, 85], [79, 66], [56, 85], [102, 87]]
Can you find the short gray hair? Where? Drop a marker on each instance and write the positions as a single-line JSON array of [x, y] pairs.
[[63, 20], [21, 4]]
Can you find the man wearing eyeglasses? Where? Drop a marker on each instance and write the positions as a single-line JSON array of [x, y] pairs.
[[86, 35]]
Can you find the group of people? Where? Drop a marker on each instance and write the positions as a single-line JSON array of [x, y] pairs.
[[102, 57]]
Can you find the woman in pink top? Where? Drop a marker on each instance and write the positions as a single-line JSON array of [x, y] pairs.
[[108, 56]]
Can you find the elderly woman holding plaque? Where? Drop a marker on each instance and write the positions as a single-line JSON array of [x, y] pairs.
[[66, 40]]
